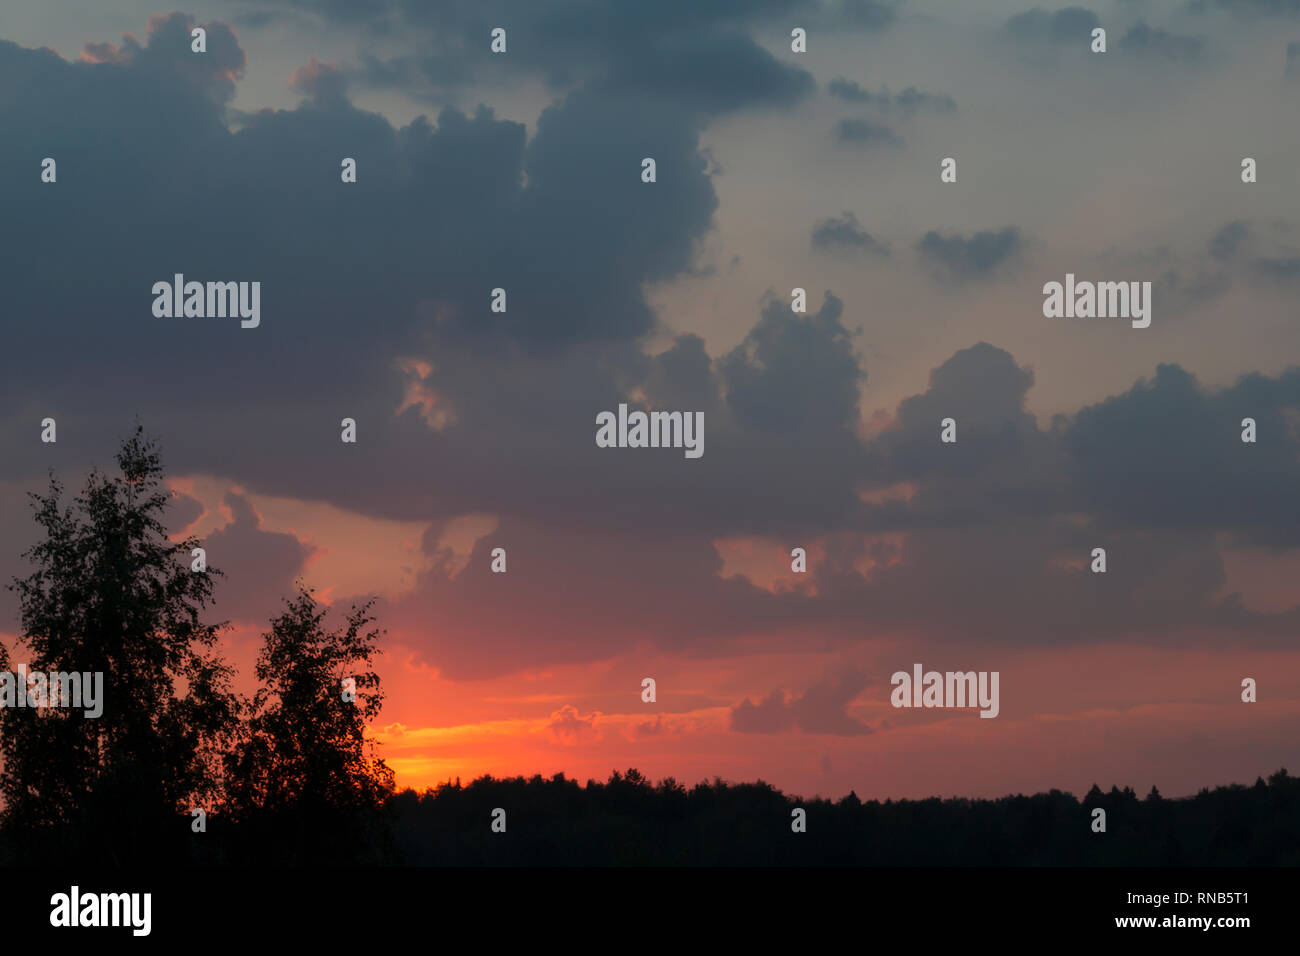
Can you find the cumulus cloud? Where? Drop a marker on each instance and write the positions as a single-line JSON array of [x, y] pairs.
[[320, 82], [365, 283], [570, 726]]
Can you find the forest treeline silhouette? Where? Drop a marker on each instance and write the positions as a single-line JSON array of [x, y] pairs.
[[288, 776]]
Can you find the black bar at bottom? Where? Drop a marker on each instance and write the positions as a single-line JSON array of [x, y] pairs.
[[347, 906]]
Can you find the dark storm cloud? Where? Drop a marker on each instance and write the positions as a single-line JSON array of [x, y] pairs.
[[605, 546], [963, 257], [167, 57], [1010, 505], [845, 231], [707, 58], [1131, 456], [715, 72], [794, 376], [1117, 460], [151, 183]]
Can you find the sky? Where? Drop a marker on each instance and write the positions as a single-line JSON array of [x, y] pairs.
[[775, 170]]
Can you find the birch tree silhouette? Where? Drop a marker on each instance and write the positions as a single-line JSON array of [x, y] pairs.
[[110, 593]]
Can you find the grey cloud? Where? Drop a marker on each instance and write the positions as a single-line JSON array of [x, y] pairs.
[[861, 133], [258, 566], [909, 101], [703, 57], [819, 710], [1130, 456], [1065, 26], [866, 14], [1260, 8], [980, 254], [1144, 41], [1224, 244], [845, 231], [320, 82]]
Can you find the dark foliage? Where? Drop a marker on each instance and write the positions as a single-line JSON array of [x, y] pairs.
[[628, 820]]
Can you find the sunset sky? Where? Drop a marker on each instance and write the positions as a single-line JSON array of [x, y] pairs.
[[775, 170]]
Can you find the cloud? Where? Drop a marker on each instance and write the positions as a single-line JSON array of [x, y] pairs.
[[166, 55], [1284, 267], [440, 215], [1125, 475], [794, 375], [844, 231], [1066, 26], [980, 254], [1147, 42], [258, 567], [908, 102], [571, 727], [859, 132], [183, 511], [819, 710], [1228, 239], [702, 58], [1260, 8], [865, 14], [371, 286], [1239, 251], [714, 72], [320, 82]]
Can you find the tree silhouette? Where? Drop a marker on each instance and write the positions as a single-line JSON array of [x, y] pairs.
[[627, 821], [304, 772], [111, 594]]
